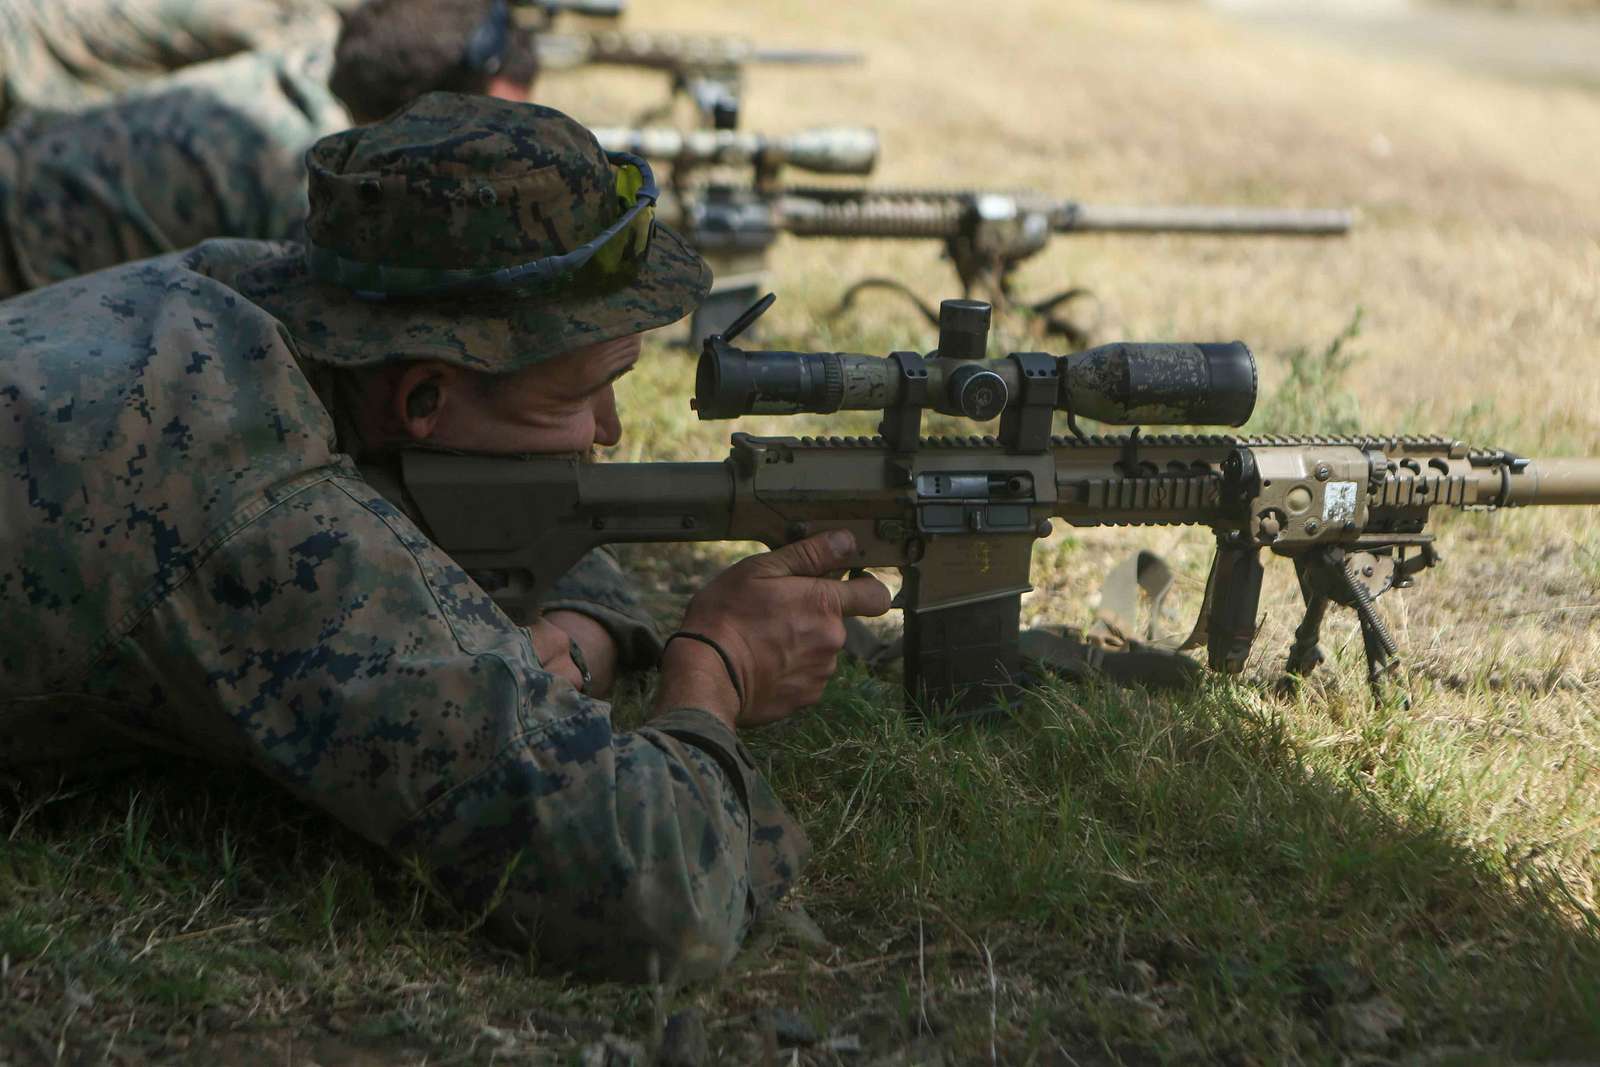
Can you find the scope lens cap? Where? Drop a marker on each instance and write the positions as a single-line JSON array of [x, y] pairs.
[[1233, 384], [709, 401]]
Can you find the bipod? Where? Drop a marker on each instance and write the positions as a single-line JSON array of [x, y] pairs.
[[847, 301], [1053, 323], [1045, 311], [1353, 578]]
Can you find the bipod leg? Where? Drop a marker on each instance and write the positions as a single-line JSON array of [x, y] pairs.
[[1382, 663], [1383, 655], [848, 299], [657, 114], [1060, 326], [1306, 654]]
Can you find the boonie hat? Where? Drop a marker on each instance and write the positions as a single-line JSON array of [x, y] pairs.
[[481, 232]]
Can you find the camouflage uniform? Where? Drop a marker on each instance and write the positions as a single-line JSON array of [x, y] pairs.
[[215, 150], [64, 55], [188, 560]]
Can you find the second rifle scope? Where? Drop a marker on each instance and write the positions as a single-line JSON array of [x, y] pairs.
[[1124, 383]]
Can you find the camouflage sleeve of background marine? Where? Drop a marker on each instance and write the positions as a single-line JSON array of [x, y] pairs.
[[598, 587], [70, 54], [217, 151], [357, 664]]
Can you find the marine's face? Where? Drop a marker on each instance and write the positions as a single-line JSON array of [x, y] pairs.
[[565, 404]]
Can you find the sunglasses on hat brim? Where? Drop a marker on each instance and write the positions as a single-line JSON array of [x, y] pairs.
[[605, 261]]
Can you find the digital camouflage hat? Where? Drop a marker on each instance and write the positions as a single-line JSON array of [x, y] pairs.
[[458, 187]]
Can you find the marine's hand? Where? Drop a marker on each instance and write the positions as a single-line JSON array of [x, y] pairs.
[[553, 646], [781, 621], [600, 652]]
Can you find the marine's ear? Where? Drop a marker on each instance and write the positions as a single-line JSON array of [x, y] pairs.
[[421, 393]]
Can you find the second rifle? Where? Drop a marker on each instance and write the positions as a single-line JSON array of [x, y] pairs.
[[986, 235]]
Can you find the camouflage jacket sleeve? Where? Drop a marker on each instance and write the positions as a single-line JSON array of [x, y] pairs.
[[353, 661], [68, 54], [598, 588], [217, 150]]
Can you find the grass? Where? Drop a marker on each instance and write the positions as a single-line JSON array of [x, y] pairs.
[[1199, 881], [1115, 877], [1314, 396], [180, 911], [1112, 876]]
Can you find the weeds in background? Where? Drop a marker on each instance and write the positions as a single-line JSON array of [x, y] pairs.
[[1313, 397]]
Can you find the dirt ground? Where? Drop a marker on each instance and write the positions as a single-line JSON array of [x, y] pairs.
[[1553, 43]]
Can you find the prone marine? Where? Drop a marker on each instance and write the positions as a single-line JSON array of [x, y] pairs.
[[190, 558], [216, 149]]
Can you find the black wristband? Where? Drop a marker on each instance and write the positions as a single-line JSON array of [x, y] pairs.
[[727, 661]]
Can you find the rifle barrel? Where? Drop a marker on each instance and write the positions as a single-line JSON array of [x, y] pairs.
[[674, 51], [1301, 222], [603, 9], [869, 217], [808, 57], [905, 214], [1556, 481]]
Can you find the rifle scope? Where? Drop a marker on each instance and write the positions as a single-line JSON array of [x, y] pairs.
[[1124, 383]]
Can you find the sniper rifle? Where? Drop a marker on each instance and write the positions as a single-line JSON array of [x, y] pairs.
[[707, 71], [541, 14], [958, 515], [986, 235], [739, 270]]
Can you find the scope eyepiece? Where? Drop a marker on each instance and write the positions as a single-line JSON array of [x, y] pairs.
[[730, 382]]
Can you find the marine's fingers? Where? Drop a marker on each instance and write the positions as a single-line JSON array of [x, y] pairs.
[[813, 556], [550, 642], [863, 595], [553, 646]]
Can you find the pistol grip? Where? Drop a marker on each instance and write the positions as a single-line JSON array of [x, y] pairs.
[[1235, 595]]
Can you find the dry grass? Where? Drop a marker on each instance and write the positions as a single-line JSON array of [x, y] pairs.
[[1557, 6], [1477, 265]]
